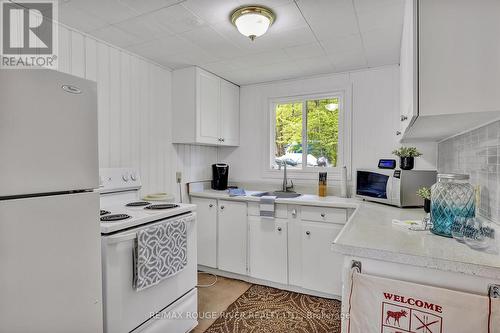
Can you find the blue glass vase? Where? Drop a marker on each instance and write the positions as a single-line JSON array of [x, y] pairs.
[[451, 197]]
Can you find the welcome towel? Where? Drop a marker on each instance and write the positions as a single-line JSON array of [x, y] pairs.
[[384, 305]]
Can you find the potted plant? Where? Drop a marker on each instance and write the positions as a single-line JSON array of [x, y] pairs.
[[425, 193], [407, 157]]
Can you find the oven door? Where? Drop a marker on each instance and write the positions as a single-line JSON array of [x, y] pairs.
[[125, 308], [374, 186]]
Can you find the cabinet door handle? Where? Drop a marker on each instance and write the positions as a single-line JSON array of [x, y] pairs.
[[308, 233], [222, 139], [323, 215], [294, 212], [211, 205], [403, 117], [398, 132], [279, 228], [221, 207]]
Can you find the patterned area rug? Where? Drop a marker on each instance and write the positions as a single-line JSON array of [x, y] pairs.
[[268, 310]]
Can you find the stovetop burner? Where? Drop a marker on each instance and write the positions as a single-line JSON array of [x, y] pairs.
[[104, 212], [138, 204], [114, 217], [161, 206]]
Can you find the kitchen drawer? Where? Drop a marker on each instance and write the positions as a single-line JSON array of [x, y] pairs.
[[324, 214], [280, 210]]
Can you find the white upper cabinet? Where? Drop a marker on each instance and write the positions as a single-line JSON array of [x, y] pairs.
[[206, 108], [208, 105], [408, 67], [230, 115], [450, 72]]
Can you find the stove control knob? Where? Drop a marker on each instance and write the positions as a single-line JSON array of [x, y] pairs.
[[125, 177], [133, 176]]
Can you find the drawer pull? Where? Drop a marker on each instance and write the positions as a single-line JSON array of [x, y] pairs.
[[308, 233], [323, 215], [279, 228], [211, 205], [221, 207]]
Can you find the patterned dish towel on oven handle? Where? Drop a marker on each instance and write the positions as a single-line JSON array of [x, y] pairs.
[[160, 252]]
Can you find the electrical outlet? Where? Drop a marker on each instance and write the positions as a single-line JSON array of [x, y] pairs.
[[178, 176]]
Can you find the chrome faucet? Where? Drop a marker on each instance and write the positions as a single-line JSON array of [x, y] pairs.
[[285, 187]]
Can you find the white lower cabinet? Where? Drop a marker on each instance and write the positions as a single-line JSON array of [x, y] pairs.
[[294, 248], [207, 231], [268, 249], [232, 240], [321, 267]]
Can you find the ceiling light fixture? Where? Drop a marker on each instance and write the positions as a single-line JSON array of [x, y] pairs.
[[253, 21]]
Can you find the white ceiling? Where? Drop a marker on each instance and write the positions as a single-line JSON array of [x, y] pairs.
[[309, 36]]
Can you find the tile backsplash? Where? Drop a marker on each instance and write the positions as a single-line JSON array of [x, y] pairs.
[[476, 153]]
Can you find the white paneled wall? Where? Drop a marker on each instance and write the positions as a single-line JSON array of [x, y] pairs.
[[134, 104]]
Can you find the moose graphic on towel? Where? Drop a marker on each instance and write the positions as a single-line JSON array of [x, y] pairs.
[[401, 319], [396, 315]]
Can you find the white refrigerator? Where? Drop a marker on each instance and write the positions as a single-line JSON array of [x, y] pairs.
[[50, 262]]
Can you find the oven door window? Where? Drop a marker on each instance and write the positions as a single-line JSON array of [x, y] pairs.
[[372, 184]]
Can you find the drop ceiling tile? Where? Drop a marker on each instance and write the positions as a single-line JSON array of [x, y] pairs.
[[185, 59], [273, 40], [212, 11], [211, 41], [144, 27], [316, 65], [163, 47], [145, 6], [116, 36], [341, 45], [110, 11], [381, 57], [78, 19], [305, 51], [276, 56], [330, 18], [177, 19], [221, 66], [287, 17], [382, 17], [368, 5], [382, 39], [349, 61]]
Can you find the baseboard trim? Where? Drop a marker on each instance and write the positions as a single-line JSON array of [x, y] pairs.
[[276, 285]]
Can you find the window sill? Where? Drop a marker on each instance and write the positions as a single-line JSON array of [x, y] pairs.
[[333, 174]]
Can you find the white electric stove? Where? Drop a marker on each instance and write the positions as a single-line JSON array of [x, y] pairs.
[[123, 213]]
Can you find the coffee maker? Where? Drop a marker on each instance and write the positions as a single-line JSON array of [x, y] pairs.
[[220, 173]]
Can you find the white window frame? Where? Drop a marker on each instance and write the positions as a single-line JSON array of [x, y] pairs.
[[344, 143]]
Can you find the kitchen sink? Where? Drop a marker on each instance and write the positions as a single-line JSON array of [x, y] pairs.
[[278, 194]]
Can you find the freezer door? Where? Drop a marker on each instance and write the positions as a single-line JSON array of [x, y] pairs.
[[50, 276], [48, 133]]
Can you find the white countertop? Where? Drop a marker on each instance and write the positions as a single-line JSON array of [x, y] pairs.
[[370, 233], [305, 199]]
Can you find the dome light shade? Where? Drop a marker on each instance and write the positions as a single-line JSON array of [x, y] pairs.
[[252, 21]]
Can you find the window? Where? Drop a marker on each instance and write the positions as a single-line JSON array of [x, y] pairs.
[[307, 133]]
